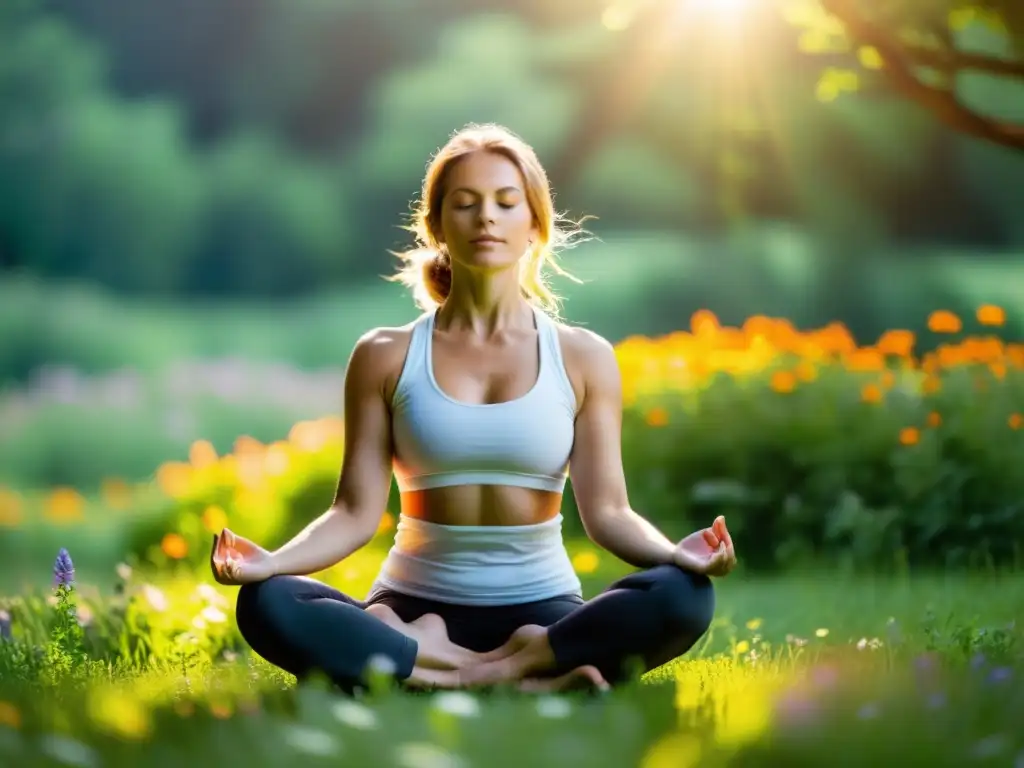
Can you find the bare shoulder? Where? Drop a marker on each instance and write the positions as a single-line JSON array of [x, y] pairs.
[[379, 355], [590, 360]]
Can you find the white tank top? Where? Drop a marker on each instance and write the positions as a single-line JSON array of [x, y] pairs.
[[440, 441]]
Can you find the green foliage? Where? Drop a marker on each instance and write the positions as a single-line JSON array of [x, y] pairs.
[[792, 671]]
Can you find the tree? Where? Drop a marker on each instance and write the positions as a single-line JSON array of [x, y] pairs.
[[915, 49]]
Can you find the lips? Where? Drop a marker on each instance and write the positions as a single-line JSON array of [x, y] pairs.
[[487, 239]]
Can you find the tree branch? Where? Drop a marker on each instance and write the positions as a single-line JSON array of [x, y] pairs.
[[898, 68]]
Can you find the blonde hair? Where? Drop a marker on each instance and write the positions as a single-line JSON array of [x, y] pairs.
[[426, 268]]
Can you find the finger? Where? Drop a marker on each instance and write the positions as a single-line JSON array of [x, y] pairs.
[[222, 545], [723, 532], [710, 538]]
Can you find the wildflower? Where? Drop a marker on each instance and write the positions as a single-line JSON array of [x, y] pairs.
[[355, 715], [69, 751], [990, 746], [869, 711], [155, 597], [821, 632], [311, 741], [1000, 675], [63, 569], [124, 571], [754, 624], [5, 625], [457, 703], [213, 615], [10, 716], [553, 707], [425, 755], [795, 709]]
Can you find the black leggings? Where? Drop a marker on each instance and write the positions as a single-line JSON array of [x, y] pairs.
[[303, 626]]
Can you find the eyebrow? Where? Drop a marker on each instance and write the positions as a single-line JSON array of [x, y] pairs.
[[474, 192]]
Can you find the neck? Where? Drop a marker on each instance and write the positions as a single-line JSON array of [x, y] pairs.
[[485, 304]]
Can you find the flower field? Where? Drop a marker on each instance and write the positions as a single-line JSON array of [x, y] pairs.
[[874, 493]]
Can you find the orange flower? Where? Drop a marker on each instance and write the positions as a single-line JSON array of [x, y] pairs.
[[1015, 421], [944, 321], [871, 393], [934, 419], [10, 508], [656, 417], [990, 314], [931, 384], [704, 321], [910, 435], [783, 381], [116, 493], [174, 546], [202, 454], [896, 342], [173, 478], [64, 505], [805, 371]]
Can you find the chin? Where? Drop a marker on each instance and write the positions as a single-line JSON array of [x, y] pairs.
[[490, 260]]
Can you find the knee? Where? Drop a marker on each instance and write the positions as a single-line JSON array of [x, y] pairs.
[[261, 602], [686, 600]]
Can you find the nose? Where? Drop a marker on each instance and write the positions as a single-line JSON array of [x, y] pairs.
[[487, 213]]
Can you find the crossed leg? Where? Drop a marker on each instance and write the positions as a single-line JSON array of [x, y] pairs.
[[650, 616], [437, 653]]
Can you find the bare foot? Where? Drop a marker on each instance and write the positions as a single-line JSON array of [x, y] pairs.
[[435, 648], [515, 643], [586, 677]]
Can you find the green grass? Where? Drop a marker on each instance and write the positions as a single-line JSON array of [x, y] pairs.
[[767, 686]]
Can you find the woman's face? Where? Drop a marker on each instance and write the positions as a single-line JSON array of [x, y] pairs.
[[486, 221]]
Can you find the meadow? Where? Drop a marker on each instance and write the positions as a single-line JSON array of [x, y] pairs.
[[849, 634]]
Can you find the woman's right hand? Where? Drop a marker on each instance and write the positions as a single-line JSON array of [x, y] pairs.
[[235, 560]]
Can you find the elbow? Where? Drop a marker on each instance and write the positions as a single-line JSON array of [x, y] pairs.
[[359, 527], [599, 523]]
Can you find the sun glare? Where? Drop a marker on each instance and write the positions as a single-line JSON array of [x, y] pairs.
[[723, 7]]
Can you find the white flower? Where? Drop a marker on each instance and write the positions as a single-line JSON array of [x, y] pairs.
[[155, 597], [355, 715], [425, 755], [311, 741], [213, 614], [457, 703], [68, 751], [553, 707], [211, 595]]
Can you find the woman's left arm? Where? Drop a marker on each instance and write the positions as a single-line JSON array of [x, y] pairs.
[[595, 465]]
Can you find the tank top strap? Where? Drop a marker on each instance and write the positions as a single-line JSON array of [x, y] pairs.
[[551, 362], [415, 366]]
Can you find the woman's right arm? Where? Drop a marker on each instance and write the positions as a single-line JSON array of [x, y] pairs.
[[362, 494]]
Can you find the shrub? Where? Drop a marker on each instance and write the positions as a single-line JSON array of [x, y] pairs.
[[814, 448]]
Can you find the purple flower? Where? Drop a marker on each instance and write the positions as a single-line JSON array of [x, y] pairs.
[[5, 625], [63, 569], [1000, 675]]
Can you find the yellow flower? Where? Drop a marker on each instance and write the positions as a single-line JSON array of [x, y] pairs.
[[585, 562], [822, 632], [754, 624]]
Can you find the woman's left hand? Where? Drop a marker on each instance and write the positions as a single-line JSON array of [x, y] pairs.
[[708, 551]]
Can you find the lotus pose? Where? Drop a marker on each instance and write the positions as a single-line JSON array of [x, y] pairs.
[[481, 407]]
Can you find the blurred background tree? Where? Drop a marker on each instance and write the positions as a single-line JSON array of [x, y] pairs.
[[223, 181]]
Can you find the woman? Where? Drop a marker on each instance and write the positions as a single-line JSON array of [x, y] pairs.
[[481, 407]]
